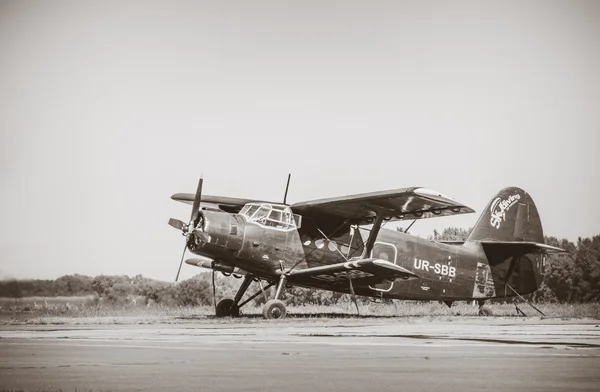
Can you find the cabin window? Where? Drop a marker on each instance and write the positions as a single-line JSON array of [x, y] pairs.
[[332, 246]]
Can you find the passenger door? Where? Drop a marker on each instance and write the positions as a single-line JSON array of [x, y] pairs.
[[388, 252]]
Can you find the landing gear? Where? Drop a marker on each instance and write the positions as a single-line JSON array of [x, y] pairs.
[[484, 310], [226, 308], [230, 307], [275, 309]]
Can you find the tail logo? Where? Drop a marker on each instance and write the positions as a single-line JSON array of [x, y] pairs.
[[500, 207]]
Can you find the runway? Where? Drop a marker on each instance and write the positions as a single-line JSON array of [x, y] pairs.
[[415, 354]]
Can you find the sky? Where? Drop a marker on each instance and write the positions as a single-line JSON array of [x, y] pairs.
[[107, 108]]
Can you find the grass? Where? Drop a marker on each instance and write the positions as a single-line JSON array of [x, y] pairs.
[[418, 309], [47, 301], [86, 310], [52, 390]]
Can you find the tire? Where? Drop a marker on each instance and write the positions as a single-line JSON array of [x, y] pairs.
[[485, 311], [225, 308], [274, 309]]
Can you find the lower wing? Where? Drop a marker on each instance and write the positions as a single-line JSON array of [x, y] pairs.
[[363, 272]]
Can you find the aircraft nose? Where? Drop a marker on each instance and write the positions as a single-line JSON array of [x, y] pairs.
[[218, 229], [197, 234]]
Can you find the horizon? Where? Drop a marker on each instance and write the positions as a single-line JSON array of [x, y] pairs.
[[108, 109]]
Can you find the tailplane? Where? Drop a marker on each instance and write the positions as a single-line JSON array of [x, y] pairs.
[[510, 233]]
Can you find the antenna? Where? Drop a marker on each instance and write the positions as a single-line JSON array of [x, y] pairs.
[[286, 188]]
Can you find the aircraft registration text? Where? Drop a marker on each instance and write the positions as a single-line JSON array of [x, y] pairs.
[[440, 269]]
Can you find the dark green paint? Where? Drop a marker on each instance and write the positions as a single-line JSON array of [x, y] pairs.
[[447, 272]]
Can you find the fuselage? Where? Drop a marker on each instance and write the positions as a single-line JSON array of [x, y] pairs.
[[446, 272]]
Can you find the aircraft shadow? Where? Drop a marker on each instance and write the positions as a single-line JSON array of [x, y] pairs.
[[305, 316]]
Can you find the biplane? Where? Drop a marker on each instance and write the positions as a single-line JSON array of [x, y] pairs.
[[340, 244]]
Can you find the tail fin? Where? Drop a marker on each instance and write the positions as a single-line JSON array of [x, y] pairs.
[[511, 235], [510, 216]]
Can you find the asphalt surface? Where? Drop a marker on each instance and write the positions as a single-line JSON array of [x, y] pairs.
[[305, 355]]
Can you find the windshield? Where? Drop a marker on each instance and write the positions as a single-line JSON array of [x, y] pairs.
[[272, 215]]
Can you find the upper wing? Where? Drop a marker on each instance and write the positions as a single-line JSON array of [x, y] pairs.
[[397, 204], [227, 204], [363, 272]]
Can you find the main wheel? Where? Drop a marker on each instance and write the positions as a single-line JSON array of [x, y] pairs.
[[274, 309], [226, 308], [485, 311]]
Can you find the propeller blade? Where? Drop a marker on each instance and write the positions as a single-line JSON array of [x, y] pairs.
[[181, 263], [197, 199], [176, 223]]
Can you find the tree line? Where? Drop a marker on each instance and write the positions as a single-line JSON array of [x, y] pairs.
[[569, 278]]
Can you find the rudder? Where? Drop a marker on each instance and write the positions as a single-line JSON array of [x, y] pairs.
[[510, 216]]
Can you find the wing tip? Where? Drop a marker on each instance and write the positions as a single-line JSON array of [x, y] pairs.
[[182, 196], [390, 265]]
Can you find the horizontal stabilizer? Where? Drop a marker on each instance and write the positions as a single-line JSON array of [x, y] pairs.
[[523, 247], [363, 272]]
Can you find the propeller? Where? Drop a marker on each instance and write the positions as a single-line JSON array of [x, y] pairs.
[[189, 228]]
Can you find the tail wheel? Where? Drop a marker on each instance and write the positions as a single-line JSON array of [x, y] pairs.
[[485, 311], [274, 309], [226, 308]]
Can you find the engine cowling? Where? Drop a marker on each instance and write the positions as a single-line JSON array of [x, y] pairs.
[[217, 232]]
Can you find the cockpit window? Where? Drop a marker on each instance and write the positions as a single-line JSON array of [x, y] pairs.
[[261, 214], [275, 215], [272, 215], [251, 209]]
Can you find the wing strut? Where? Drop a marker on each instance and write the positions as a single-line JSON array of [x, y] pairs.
[[349, 278], [353, 296], [373, 235], [327, 238]]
